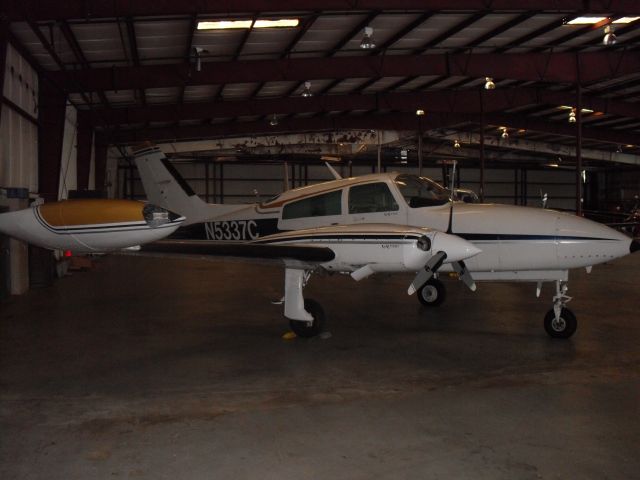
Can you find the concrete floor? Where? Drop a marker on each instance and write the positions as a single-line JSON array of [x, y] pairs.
[[165, 369]]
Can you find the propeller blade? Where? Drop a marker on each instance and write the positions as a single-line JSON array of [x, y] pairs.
[[427, 272], [464, 274]]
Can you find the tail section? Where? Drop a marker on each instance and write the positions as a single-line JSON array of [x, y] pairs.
[[166, 188]]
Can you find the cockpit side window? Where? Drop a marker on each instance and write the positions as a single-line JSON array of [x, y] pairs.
[[318, 206], [371, 197], [420, 191]]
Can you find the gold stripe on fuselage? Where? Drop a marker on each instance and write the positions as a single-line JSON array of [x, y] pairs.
[[91, 212]]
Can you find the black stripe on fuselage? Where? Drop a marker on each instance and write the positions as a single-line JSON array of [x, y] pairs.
[[293, 252], [355, 237], [508, 236]]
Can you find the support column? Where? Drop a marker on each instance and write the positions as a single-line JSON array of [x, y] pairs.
[[85, 143], [4, 40], [51, 116], [379, 153], [419, 152], [101, 165], [579, 148], [482, 146]]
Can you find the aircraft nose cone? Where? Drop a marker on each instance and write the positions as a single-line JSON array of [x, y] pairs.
[[635, 246], [456, 248], [472, 250]]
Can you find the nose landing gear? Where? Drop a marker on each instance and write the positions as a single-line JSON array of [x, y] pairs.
[[560, 322]]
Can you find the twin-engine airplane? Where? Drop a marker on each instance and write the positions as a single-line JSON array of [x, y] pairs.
[[90, 225], [392, 213]]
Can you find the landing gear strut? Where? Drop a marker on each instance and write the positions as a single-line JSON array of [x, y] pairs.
[[560, 322], [306, 316]]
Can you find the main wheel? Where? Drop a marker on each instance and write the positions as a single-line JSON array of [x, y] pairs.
[[302, 328], [564, 327], [432, 293]]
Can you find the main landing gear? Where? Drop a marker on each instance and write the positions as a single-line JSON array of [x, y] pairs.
[[560, 322], [306, 316], [308, 329]]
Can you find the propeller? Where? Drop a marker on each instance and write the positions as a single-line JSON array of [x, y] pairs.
[[464, 274], [427, 272]]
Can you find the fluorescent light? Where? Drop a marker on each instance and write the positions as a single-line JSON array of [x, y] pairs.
[[586, 20], [626, 20], [281, 23], [224, 25], [244, 24]]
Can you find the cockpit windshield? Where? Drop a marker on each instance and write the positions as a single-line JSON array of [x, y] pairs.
[[421, 191]]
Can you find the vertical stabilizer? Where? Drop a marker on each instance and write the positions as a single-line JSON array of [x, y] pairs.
[[166, 188]]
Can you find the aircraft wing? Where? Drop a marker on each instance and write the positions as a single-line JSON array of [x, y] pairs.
[[311, 255]]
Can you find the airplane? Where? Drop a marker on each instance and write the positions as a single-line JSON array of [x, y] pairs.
[[521, 244], [90, 225], [360, 250]]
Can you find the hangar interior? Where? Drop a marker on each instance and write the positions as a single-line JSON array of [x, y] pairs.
[[516, 101]]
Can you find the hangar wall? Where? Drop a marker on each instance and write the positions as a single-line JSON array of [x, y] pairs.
[[234, 183], [18, 162], [19, 134]]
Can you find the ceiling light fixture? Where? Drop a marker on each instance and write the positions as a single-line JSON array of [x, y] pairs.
[[246, 24], [505, 133], [626, 20], [456, 143], [572, 116], [307, 89], [567, 107], [488, 83], [274, 120], [586, 20], [420, 112], [367, 42], [196, 53], [609, 35]]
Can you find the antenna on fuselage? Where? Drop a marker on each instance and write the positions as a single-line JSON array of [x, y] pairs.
[[335, 174]]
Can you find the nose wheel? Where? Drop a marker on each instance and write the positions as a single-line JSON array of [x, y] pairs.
[[560, 322], [432, 293]]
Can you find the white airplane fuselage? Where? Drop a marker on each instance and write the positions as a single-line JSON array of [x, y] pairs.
[[512, 238]]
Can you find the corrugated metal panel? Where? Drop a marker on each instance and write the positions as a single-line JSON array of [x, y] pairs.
[[19, 136]]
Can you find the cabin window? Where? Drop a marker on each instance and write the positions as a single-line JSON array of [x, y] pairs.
[[420, 191], [370, 198], [318, 206]]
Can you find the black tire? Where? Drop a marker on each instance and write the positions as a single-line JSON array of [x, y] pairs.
[[432, 293], [564, 328], [303, 329]]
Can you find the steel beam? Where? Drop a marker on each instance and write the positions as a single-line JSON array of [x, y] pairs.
[[547, 67], [81, 9], [552, 150], [395, 121], [462, 101]]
